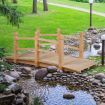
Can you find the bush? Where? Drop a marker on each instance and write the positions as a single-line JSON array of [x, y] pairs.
[[86, 1], [2, 88], [3, 64], [37, 101], [2, 52]]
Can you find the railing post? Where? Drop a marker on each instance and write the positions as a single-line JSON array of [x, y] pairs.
[[15, 46], [37, 33], [81, 45], [60, 49]]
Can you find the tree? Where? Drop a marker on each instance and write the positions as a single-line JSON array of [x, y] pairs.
[[14, 1], [13, 16], [45, 5], [34, 6]]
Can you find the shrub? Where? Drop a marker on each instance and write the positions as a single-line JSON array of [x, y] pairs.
[[2, 87], [3, 64], [37, 101]]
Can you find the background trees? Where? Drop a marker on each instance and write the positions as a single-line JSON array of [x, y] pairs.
[[13, 16], [45, 6]]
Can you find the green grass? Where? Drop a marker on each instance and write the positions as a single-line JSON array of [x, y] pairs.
[[99, 7], [70, 21]]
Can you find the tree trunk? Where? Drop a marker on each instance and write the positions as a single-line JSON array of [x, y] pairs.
[[34, 6], [45, 5], [14, 1]]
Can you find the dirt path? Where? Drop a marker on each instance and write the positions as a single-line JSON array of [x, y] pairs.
[[78, 8]]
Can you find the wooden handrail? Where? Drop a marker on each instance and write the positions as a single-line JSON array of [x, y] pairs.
[[60, 49], [48, 34], [15, 46], [81, 45], [25, 38], [46, 40], [72, 47], [25, 48]]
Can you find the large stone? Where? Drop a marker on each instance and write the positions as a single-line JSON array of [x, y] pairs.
[[52, 69], [26, 70], [15, 74], [102, 103], [7, 99], [3, 79], [41, 73], [68, 96], [9, 78], [99, 76], [15, 88], [103, 80]]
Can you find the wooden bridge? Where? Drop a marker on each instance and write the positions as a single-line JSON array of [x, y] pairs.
[[43, 57]]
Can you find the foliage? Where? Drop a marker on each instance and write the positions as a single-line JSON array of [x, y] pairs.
[[2, 87], [86, 1], [3, 64], [37, 101], [13, 16], [2, 52]]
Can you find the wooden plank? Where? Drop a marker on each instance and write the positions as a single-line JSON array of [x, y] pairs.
[[48, 34], [25, 38], [72, 47], [71, 37], [81, 45], [25, 48], [60, 49], [37, 33], [15, 46], [46, 40]]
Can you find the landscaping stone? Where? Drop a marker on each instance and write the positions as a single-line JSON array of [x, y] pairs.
[[68, 96], [99, 76], [15, 88], [3, 79], [26, 70], [41, 73], [52, 69], [15, 74], [103, 80], [9, 79], [7, 99]]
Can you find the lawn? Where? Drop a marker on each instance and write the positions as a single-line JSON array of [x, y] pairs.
[[99, 7], [70, 21]]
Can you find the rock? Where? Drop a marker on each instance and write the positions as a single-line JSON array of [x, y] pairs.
[[52, 69], [10, 79], [103, 81], [6, 99], [26, 70], [102, 103], [99, 76], [68, 96], [97, 46], [15, 74], [49, 75], [3, 79], [7, 91], [26, 75], [96, 82], [41, 73], [15, 88]]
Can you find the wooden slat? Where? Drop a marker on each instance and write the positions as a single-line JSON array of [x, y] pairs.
[[25, 48], [46, 40], [81, 45], [71, 37], [48, 34], [72, 47], [25, 38]]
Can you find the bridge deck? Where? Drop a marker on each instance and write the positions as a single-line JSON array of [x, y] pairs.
[[71, 64]]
